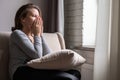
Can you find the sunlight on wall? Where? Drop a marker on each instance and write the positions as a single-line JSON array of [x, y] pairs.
[[89, 22]]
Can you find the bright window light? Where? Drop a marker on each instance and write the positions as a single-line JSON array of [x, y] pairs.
[[89, 22]]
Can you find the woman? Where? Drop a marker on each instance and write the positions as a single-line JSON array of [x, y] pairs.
[[27, 43]]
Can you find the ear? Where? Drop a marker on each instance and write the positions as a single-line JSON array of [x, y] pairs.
[[22, 20]]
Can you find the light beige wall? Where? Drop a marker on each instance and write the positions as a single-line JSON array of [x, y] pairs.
[[8, 9], [7, 12]]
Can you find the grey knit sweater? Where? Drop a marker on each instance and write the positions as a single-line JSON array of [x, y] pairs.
[[22, 50]]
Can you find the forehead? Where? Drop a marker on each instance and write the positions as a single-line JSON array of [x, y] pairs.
[[33, 11]]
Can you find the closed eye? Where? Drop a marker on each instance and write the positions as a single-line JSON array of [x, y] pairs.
[[34, 16]]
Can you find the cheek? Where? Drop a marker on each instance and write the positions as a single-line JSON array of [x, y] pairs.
[[30, 21]]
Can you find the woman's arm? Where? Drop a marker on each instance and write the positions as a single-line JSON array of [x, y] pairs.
[[22, 41], [46, 49]]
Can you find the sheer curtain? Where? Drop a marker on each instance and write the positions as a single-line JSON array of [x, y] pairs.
[[106, 52]]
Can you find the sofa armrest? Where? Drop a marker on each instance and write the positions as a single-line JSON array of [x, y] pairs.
[[61, 40]]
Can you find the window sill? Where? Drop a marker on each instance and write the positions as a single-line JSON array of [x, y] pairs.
[[85, 48]]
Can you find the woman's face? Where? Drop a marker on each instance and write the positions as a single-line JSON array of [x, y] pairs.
[[30, 17]]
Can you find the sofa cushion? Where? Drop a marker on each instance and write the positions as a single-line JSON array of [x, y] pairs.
[[52, 41], [61, 60]]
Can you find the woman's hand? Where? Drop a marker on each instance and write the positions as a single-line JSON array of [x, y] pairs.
[[37, 26]]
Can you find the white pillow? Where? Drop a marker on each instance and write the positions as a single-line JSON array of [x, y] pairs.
[[61, 60]]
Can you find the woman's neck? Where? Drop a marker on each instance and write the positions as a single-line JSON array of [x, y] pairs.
[[27, 32]]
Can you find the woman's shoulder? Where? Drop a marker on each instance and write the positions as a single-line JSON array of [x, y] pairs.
[[17, 33]]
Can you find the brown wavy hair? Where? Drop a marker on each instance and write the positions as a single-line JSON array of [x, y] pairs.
[[21, 13]]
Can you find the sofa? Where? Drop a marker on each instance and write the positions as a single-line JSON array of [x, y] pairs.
[[54, 40]]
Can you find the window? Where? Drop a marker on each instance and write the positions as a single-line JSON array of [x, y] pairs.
[[89, 22], [80, 23]]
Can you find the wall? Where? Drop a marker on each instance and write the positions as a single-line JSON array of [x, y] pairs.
[[7, 12], [8, 9], [87, 68]]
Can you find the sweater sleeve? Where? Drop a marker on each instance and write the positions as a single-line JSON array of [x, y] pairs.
[[46, 49], [22, 41]]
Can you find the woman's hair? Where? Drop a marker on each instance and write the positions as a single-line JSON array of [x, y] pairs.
[[21, 13]]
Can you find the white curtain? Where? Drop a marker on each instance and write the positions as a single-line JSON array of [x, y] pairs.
[[106, 52]]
